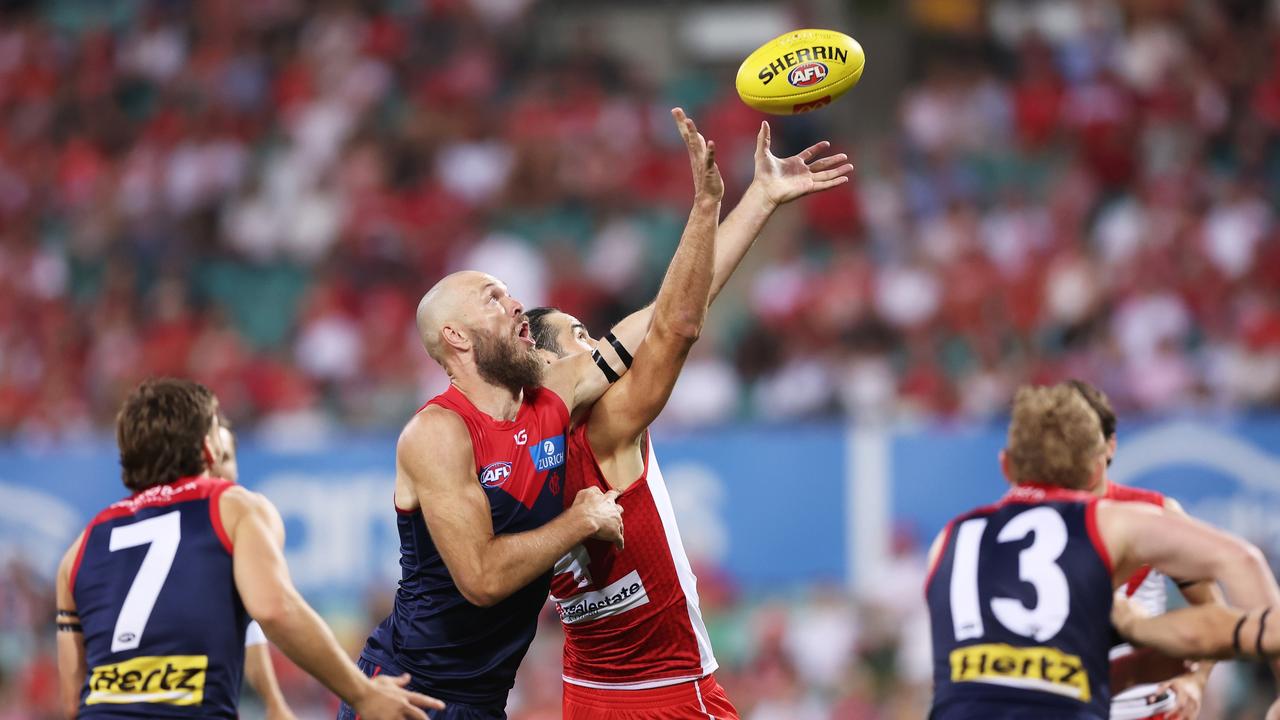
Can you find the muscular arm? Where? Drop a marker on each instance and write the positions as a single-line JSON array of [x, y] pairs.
[[679, 312], [1184, 548], [72, 667], [434, 457], [262, 579], [1196, 593], [733, 239], [776, 182]]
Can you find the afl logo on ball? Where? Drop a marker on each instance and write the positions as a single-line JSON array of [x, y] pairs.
[[810, 73], [495, 474]]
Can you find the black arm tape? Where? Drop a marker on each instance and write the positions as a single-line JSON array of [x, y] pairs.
[[601, 363], [619, 348], [70, 627], [68, 613], [1235, 636], [1262, 627]]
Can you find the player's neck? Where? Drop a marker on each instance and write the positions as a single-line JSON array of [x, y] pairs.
[[496, 401]]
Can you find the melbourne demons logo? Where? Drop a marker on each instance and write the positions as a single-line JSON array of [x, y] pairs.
[[810, 73], [495, 474]]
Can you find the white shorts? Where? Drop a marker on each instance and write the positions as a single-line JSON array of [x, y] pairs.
[[1141, 702]]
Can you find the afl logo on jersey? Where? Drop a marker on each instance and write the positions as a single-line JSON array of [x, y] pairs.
[[495, 474], [548, 454]]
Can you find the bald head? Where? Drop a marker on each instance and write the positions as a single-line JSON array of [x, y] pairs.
[[455, 307]]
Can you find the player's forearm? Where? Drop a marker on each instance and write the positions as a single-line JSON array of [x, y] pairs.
[[262, 677], [1198, 632], [1202, 593], [681, 305], [306, 640], [72, 669], [510, 562], [734, 238], [738, 233]]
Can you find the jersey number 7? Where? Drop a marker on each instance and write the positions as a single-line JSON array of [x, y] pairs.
[[162, 533], [1037, 565]]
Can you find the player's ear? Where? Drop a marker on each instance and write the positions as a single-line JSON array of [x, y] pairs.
[[1099, 471], [455, 338], [1005, 469], [210, 452]]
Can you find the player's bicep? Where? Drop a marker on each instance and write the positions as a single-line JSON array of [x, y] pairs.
[[435, 458], [1180, 547], [258, 564]]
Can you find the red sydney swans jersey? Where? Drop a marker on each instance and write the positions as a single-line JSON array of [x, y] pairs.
[[1147, 588], [631, 617]]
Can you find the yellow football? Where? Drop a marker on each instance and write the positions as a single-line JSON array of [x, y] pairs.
[[800, 71]]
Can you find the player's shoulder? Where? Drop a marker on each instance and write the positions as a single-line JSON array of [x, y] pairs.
[[434, 421], [433, 432], [1126, 493], [237, 502]]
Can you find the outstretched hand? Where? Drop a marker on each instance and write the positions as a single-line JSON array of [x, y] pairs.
[[707, 182], [806, 172]]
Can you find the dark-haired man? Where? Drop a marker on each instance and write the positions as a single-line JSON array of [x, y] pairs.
[[479, 493], [1178, 698], [635, 643], [1020, 592], [155, 596]]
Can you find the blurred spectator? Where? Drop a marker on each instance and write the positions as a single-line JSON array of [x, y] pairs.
[[241, 188]]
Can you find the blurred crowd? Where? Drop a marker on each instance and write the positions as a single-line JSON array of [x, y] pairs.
[[256, 194]]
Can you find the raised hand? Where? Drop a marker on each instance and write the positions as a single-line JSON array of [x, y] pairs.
[[785, 179], [707, 182]]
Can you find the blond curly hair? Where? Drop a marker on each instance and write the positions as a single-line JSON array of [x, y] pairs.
[[1054, 437]]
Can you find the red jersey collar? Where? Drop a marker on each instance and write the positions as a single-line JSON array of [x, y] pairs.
[[1035, 492]]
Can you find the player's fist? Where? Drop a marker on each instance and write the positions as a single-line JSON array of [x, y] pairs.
[[387, 699], [602, 512], [1125, 613]]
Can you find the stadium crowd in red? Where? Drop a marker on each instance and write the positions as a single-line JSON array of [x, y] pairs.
[[255, 195]]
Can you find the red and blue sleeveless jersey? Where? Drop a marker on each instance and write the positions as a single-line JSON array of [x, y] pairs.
[[164, 627], [1020, 606], [454, 650]]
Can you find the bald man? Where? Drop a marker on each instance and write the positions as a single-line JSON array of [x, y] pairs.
[[480, 477]]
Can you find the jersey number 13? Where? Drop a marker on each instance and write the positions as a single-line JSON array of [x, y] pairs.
[[1037, 565]]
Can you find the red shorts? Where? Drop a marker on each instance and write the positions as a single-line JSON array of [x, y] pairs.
[[700, 700]]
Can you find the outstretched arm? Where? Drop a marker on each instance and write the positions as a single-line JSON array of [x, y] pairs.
[[777, 181], [678, 312], [434, 458]]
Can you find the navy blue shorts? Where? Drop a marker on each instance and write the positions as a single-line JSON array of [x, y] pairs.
[[452, 710]]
